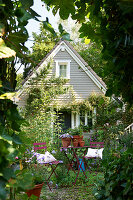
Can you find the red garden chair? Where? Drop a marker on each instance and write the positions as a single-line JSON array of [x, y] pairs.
[[52, 164], [93, 146]]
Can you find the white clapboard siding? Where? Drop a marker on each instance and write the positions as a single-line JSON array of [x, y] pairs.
[[79, 80], [81, 83]]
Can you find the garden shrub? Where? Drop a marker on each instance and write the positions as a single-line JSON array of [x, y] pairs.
[[118, 176]]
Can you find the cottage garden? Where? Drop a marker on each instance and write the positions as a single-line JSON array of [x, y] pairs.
[[107, 178], [107, 23]]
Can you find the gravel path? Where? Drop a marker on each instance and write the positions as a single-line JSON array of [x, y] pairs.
[[73, 193]]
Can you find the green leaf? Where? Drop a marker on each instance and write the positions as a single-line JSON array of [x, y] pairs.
[[109, 92], [2, 189], [24, 180], [61, 28], [5, 52], [24, 16], [27, 3], [33, 13], [66, 36], [16, 139], [8, 173], [127, 188], [18, 37], [12, 153], [2, 29], [49, 27], [5, 135]]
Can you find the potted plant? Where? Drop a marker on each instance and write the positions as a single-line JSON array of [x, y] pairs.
[[37, 173], [36, 188], [85, 128], [77, 134], [66, 139]]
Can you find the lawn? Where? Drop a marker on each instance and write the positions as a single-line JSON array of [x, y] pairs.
[[83, 190]]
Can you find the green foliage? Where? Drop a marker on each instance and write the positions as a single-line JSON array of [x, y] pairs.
[[85, 128], [111, 119], [14, 16], [75, 131], [38, 173], [65, 7], [19, 79], [10, 142], [126, 140], [41, 96], [106, 109], [118, 177], [92, 54], [39, 112], [43, 44], [108, 23]]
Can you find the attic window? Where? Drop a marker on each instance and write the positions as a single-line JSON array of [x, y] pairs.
[[63, 68], [63, 71]]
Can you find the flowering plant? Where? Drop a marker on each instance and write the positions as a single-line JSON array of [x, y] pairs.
[[66, 135], [37, 170]]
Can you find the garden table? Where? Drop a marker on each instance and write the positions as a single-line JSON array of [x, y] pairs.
[[79, 162]]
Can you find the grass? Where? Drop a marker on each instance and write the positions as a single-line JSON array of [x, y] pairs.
[[63, 188], [81, 191]]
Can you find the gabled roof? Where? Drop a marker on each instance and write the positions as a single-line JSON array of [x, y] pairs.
[[69, 48]]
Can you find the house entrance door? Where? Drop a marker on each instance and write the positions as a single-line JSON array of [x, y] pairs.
[[65, 119]]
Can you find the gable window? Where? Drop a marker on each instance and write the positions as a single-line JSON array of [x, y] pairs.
[[63, 68], [63, 71]]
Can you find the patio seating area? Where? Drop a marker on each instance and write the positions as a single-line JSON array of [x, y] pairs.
[[67, 172], [70, 172]]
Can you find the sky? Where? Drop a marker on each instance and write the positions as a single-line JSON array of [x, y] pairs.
[[33, 25]]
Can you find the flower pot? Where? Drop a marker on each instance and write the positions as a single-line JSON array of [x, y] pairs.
[[35, 191], [80, 138], [77, 138], [66, 142], [75, 143], [81, 143]]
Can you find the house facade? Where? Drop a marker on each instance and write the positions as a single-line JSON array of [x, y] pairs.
[[67, 63]]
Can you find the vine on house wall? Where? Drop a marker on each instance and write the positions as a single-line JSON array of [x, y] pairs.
[[41, 116], [43, 97]]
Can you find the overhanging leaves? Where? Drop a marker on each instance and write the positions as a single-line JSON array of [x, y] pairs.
[[27, 4], [48, 27], [16, 139], [5, 52]]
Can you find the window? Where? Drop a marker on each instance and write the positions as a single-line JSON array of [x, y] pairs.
[[74, 119], [82, 118], [63, 68], [86, 118], [63, 71]]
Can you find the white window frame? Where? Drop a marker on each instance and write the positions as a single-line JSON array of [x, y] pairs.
[[73, 125], [63, 62]]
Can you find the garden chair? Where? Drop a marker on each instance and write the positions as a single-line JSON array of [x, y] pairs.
[[53, 163], [94, 152]]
